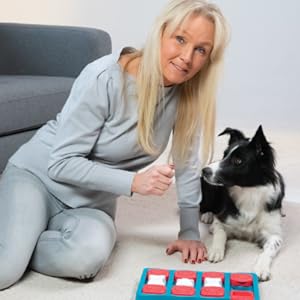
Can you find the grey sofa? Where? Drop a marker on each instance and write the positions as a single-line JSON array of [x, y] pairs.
[[38, 64]]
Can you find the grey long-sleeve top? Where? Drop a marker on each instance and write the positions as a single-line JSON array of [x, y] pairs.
[[89, 154]]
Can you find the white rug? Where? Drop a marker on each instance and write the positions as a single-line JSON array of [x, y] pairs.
[[146, 225]]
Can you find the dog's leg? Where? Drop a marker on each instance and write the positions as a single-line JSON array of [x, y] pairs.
[[207, 217], [217, 250], [270, 250]]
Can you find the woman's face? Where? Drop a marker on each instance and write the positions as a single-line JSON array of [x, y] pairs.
[[185, 52]]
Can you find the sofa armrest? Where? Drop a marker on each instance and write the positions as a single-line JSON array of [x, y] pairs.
[[27, 49]]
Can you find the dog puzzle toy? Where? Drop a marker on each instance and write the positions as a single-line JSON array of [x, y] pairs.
[[162, 284]]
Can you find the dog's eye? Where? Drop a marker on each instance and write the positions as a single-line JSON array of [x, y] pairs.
[[237, 161]]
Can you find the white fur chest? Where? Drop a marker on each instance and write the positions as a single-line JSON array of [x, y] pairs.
[[253, 218]]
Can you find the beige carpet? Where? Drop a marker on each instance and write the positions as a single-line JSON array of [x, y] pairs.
[[146, 225]]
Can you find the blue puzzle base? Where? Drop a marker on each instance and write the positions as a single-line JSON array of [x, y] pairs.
[[162, 284]]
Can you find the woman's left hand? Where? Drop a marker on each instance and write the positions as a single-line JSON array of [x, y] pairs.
[[191, 251]]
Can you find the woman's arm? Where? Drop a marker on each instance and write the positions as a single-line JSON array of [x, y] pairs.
[[79, 127], [189, 197], [189, 193]]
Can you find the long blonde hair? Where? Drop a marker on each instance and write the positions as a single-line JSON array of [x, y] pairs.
[[196, 108]]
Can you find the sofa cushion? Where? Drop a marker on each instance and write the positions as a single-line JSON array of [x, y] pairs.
[[27, 102]]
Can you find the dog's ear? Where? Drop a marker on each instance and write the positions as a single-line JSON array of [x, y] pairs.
[[235, 135], [259, 141]]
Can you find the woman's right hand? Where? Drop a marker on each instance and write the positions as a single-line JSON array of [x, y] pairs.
[[154, 181]]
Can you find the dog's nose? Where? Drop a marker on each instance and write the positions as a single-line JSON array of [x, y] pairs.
[[207, 172]]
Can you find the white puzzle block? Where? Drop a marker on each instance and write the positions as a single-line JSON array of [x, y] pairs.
[[157, 279], [185, 282], [213, 282]]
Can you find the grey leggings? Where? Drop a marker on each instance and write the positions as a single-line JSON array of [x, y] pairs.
[[38, 231]]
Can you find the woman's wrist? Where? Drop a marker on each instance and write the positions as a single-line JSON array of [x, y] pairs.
[[133, 184]]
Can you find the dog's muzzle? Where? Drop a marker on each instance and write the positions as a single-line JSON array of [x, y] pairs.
[[209, 177]]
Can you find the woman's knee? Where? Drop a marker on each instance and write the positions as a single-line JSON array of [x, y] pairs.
[[88, 237], [11, 269], [94, 248], [91, 258]]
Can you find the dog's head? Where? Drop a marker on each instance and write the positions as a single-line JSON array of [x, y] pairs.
[[246, 162]]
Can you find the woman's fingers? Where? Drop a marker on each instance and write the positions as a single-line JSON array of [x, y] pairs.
[[172, 247], [185, 254], [202, 253], [193, 255], [191, 251], [154, 181], [166, 170]]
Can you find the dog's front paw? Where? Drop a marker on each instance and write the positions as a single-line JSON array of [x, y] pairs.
[[262, 270], [207, 218], [216, 254]]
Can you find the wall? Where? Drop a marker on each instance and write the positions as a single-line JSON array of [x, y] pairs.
[[260, 82]]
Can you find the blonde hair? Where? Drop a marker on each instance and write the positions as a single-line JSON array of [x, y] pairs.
[[196, 107]]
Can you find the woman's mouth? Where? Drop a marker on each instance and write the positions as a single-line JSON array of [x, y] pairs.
[[178, 68]]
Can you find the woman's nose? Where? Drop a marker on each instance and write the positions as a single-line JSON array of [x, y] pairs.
[[187, 55]]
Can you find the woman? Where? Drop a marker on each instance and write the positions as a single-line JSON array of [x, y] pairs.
[[58, 192]]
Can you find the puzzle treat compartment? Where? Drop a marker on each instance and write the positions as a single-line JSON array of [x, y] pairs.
[[162, 284]]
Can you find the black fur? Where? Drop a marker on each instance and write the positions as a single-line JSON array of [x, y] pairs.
[[245, 163]]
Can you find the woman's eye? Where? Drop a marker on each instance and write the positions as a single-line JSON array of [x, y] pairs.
[[201, 50], [180, 39]]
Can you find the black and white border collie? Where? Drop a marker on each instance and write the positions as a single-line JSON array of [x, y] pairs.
[[242, 195]]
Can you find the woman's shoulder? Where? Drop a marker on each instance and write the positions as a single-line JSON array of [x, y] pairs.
[[106, 71], [129, 61], [107, 64]]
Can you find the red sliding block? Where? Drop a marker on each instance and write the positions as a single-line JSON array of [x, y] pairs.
[[154, 289], [212, 291], [185, 274], [241, 295], [158, 272], [180, 290], [241, 280]]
